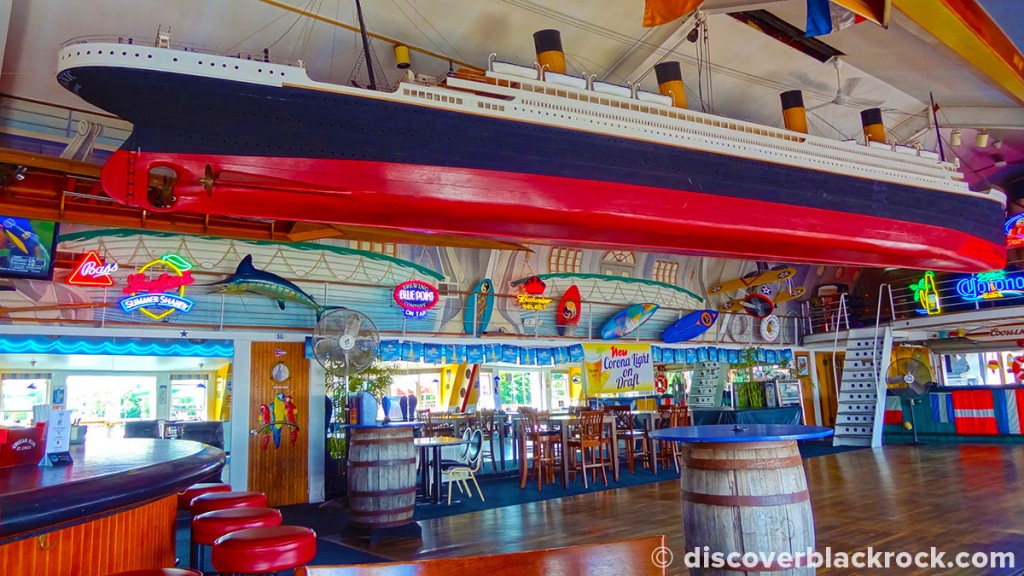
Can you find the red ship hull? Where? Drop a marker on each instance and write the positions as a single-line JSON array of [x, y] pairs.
[[539, 209]]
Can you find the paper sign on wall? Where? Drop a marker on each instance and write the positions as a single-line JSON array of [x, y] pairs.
[[614, 368]]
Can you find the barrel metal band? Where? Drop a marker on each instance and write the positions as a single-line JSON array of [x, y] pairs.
[[362, 513], [388, 492], [750, 464], [361, 441], [382, 463], [737, 500]]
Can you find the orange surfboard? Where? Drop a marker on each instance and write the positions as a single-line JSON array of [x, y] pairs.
[[569, 308]]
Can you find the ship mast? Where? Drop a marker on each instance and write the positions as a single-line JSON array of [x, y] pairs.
[[366, 45]]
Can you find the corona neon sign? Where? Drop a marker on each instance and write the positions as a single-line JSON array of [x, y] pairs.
[[926, 294], [160, 296], [990, 286]]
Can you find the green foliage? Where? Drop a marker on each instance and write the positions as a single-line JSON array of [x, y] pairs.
[[376, 380]]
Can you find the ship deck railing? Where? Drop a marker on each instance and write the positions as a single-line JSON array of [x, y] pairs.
[[889, 156], [181, 46]]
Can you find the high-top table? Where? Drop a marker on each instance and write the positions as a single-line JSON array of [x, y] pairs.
[[744, 490]]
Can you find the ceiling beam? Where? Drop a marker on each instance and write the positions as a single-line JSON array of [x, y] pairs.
[[727, 6], [975, 117]]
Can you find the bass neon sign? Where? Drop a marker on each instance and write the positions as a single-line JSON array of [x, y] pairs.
[[415, 298], [926, 294], [990, 286], [92, 271], [160, 296]]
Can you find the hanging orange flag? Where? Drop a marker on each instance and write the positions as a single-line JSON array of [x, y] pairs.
[[876, 11], [658, 12]]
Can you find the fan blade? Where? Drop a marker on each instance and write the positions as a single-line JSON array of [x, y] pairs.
[[895, 380]]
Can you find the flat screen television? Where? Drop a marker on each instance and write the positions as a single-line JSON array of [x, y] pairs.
[[27, 247]]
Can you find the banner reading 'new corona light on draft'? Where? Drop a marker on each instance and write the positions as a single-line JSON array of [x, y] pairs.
[[613, 368]]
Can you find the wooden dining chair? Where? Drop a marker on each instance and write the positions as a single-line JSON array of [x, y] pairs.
[[671, 417], [543, 443], [626, 430], [632, 557], [593, 438]]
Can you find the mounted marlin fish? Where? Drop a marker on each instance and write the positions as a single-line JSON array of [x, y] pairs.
[[248, 279]]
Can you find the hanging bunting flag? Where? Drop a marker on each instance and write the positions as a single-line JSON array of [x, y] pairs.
[[893, 411], [824, 17], [658, 12], [975, 412]]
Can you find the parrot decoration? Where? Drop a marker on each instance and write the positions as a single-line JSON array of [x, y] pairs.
[[279, 418], [264, 418], [290, 412]]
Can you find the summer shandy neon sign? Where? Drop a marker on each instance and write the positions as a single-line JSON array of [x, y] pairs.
[[153, 297], [990, 286]]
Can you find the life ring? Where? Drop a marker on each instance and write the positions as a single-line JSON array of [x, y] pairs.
[[770, 328], [1018, 369], [739, 327], [660, 383]]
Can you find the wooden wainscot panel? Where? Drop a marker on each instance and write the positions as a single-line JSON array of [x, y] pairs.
[[136, 538]]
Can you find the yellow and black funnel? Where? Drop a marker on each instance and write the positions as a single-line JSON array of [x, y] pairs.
[[402, 56], [548, 44], [670, 82], [874, 130], [793, 112]]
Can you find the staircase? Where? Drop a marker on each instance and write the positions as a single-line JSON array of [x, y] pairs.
[[859, 419]]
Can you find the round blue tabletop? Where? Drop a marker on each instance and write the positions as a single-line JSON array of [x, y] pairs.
[[741, 433]]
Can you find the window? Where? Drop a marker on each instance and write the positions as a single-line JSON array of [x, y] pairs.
[[385, 248], [618, 263], [665, 271], [19, 393], [565, 261], [112, 398], [188, 396], [516, 389]]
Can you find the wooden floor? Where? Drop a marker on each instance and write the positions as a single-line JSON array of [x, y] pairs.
[[896, 498]]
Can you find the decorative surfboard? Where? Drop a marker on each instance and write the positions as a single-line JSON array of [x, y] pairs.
[[569, 308], [690, 326], [628, 320], [752, 279], [479, 306]]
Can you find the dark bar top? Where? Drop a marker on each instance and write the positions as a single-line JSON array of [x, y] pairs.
[[106, 475]]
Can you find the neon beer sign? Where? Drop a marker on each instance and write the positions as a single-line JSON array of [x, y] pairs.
[[415, 298], [158, 289], [91, 271], [990, 286]]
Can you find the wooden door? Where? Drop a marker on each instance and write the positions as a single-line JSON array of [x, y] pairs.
[[279, 450], [828, 383]]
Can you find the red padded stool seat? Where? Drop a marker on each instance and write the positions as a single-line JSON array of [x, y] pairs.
[[207, 527], [185, 498], [264, 550], [224, 500], [160, 572]]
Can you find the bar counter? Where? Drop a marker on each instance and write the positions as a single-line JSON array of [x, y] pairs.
[[113, 509]]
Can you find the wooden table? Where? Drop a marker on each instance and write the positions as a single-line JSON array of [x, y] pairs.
[[565, 422], [744, 490]]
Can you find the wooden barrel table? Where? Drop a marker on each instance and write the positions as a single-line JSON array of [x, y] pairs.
[[744, 492], [381, 476]]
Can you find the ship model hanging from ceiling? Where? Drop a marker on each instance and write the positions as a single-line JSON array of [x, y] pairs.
[[526, 153]]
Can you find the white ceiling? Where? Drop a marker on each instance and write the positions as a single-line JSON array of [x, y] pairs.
[[89, 363]]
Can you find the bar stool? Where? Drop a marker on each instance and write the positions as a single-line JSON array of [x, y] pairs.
[[160, 572], [185, 497], [224, 500], [264, 550], [209, 526]]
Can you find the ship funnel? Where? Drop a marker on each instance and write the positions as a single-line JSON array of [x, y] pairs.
[[549, 50], [874, 130], [402, 56], [670, 82], [793, 112]]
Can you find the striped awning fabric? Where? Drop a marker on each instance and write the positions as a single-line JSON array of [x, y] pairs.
[[196, 376], [26, 376]]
